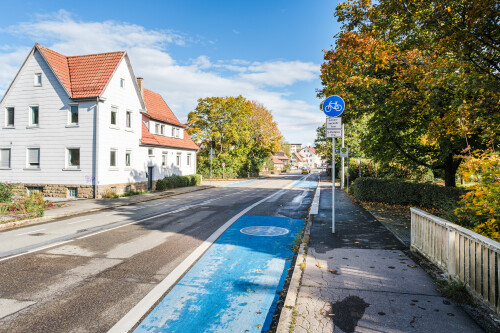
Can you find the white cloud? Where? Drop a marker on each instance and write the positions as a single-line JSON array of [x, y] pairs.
[[180, 82]]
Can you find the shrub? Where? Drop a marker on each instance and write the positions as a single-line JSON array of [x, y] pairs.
[[6, 192], [177, 181], [32, 205], [479, 209], [401, 192], [110, 194]]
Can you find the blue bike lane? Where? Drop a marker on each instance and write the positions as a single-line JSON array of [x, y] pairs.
[[234, 286]]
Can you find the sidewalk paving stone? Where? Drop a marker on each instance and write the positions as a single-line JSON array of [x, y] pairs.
[[360, 280]]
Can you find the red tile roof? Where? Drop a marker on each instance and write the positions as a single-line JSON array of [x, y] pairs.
[[312, 149], [158, 140], [299, 157], [158, 108], [82, 76], [276, 160]]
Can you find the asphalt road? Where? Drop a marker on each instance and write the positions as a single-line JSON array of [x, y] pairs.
[[83, 274]]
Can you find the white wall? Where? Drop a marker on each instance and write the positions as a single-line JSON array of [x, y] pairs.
[[119, 137], [160, 172], [52, 136]]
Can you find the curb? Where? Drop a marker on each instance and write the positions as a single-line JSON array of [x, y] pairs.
[[41, 220], [287, 312]]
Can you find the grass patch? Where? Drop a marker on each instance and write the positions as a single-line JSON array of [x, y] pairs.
[[455, 291]]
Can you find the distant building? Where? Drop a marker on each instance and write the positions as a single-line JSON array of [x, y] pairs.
[[312, 158], [295, 147], [297, 160]]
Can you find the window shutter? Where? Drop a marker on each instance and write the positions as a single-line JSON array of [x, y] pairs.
[[34, 155]]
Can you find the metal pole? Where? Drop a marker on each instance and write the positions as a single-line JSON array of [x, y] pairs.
[[211, 169], [359, 163], [342, 179], [347, 175], [333, 185]]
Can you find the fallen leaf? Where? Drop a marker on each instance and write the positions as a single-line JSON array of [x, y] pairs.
[[319, 266], [259, 326]]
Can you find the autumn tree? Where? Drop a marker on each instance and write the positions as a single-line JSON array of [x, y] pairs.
[[422, 101], [242, 132]]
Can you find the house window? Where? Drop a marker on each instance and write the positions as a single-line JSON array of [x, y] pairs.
[[128, 154], [73, 114], [122, 83], [5, 158], [34, 189], [178, 160], [114, 115], [150, 152], [127, 189], [38, 80], [34, 115], [10, 117], [128, 119], [157, 128], [188, 161], [74, 157], [162, 130], [72, 192], [177, 132], [164, 158], [173, 132], [34, 158], [112, 158]]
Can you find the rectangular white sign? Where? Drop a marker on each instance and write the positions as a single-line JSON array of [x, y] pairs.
[[333, 133], [334, 123]]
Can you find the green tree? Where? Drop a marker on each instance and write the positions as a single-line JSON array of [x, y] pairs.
[[242, 132], [422, 102]]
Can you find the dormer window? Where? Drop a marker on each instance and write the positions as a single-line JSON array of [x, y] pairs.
[[38, 80], [122, 83]]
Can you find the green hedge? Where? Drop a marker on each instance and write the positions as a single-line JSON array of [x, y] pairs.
[[401, 192], [177, 181]]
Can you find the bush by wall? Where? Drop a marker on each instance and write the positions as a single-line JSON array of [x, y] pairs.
[[177, 181], [401, 192], [6, 192]]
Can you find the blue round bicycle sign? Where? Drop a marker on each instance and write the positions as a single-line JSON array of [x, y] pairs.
[[333, 106]]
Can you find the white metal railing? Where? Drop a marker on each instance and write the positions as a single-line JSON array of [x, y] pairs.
[[462, 253]]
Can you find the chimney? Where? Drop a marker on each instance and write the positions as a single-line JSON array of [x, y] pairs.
[[140, 83]]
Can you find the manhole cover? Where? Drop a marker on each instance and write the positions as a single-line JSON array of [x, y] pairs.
[[264, 231]]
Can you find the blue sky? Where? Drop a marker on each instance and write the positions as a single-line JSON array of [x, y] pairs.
[[269, 51]]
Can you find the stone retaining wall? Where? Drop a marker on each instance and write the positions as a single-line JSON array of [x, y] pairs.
[[83, 191], [56, 190]]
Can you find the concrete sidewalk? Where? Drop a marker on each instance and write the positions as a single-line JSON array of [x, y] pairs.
[[360, 280], [82, 206]]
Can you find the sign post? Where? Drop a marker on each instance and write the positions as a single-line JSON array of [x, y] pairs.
[[223, 169], [333, 107], [212, 153]]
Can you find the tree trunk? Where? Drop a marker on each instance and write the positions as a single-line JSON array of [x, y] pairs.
[[450, 170]]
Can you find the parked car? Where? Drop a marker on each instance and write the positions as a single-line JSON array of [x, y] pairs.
[[305, 170]]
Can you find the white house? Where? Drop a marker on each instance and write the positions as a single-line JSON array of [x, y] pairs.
[[311, 157], [78, 126]]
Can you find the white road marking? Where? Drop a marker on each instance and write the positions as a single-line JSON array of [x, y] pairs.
[[30, 232], [36, 250], [78, 221], [140, 309]]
